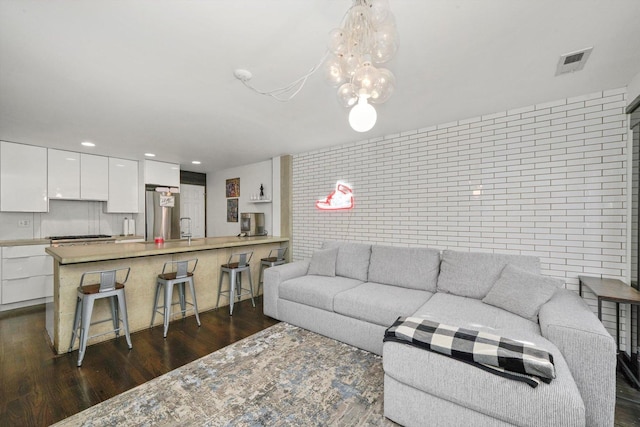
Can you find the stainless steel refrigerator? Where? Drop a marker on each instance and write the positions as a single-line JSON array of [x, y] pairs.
[[162, 213]]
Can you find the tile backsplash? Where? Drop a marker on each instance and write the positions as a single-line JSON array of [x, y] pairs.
[[65, 217]]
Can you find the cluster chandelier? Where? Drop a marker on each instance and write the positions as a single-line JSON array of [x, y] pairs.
[[367, 38]]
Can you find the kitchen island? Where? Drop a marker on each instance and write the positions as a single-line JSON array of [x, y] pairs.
[[146, 261]]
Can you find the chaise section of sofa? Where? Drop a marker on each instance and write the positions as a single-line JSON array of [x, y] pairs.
[[588, 348], [431, 378]]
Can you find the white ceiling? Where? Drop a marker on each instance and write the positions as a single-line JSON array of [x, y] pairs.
[[157, 75]]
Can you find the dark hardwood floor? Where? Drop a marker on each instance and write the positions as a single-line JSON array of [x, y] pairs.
[[38, 388]]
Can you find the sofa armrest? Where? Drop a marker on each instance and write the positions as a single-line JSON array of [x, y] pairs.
[[590, 352], [273, 277]]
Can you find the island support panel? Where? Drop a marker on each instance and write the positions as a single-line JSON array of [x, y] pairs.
[[140, 289]]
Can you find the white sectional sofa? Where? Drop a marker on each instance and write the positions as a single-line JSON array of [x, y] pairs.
[[353, 292]]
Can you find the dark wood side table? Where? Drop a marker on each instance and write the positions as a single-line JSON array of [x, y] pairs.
[[619, 292]]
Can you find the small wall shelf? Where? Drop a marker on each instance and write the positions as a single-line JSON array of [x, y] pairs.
[[260, 201]]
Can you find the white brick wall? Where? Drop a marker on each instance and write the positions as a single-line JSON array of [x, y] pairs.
[[633, 240], [546, 180]]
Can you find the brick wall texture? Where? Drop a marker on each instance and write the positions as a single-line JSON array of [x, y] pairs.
[[548, 180]]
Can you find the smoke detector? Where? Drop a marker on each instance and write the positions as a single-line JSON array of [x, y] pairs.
[[573, 61]]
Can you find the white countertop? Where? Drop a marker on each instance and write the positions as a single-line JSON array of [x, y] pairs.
[[89, 253], [27, 242]]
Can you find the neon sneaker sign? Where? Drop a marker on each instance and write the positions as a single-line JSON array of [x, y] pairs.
[[340, 199]]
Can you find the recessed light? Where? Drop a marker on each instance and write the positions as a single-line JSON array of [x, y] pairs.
[[196, 162], [88, 144], [149, 154]]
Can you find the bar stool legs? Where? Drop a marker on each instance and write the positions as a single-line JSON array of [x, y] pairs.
[[87, 295], [166, 290], [276, 257], [235, 288], [164, 285], [234, 270]]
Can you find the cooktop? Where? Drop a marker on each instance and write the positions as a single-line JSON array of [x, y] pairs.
[[84, 236]]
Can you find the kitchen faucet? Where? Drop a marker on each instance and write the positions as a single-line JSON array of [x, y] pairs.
[[182, 233]]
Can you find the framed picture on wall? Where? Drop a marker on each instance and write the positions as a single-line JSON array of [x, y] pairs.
[[232, 210], [233, 187]]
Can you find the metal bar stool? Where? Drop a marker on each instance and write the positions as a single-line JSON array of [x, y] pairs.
[[108, 287], [276, 257], [180, 275], [238, 263]]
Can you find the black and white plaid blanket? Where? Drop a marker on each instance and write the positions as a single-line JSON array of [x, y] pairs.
[[499, 355]]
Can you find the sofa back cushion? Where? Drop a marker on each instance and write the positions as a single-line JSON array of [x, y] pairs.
[[472, 274], [413, 268], [353, 259], [323, 262], [521, 292]]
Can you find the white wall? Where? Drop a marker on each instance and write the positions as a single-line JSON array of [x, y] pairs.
[[546, 180], [251, 176], [633, 89], [276, 197]]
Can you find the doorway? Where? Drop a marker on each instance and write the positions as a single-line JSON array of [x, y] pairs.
[[193, 201], [192, 205]]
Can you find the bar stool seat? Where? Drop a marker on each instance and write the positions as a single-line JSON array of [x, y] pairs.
[[107, 287], [276, 257], [238, 263], [181, 275]]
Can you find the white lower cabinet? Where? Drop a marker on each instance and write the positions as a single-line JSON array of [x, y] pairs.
[[29, 288], [27, 275]]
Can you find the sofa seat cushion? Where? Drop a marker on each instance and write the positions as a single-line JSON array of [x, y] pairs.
[[472, 274], [315, 291], [415, 268], [555, 404], [378, 303], [474, 314]]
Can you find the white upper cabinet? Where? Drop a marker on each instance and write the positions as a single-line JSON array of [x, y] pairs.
[[64, 174], [78, 176], [30, 176], [94, 177], [160, 173], [23, 178], [123, 186]]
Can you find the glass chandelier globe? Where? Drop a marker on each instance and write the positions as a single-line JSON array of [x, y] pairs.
[[362, 116], [333, 71], [365, 77], [383, 87], [347, 95], [366, 38]]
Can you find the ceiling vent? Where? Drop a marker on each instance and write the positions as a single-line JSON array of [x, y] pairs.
[[573, 61]]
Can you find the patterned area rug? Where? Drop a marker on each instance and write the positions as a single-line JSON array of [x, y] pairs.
[[282, 376]]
